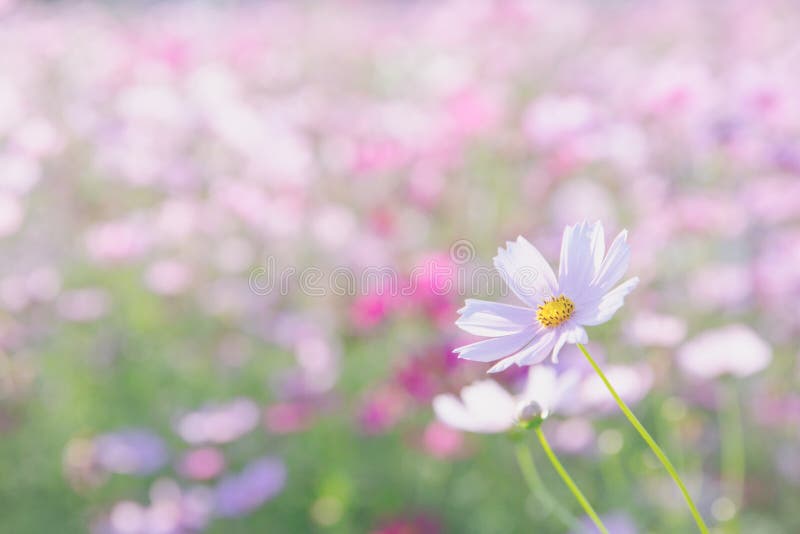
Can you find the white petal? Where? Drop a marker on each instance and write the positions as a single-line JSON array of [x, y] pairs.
[[525, 271], [582, 249], [484, 407], [602, 311], [566, 388], [450, 411], [540, 387], [550, 388], [615, 263], [489, 350], [533, 353], [492, 319], [572, 335]]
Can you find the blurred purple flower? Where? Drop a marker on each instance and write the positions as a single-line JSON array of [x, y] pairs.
[[257, 483], [130, 452]]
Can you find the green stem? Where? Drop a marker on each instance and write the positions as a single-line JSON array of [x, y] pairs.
[[650, 441], [569, 482], [537, 487], [733, 458]]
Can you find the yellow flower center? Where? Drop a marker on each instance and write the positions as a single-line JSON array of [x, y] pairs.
[[555, 311]]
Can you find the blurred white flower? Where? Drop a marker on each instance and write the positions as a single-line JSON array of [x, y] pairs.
[[486, 407], [734, 349], [557, 308]]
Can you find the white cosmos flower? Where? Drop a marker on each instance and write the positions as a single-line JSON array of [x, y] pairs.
[[487, 408], [735, 350], [556, 308]]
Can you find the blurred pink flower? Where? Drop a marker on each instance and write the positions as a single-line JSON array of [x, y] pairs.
[[334, 226], [287, 417], [632, 383], [442, 441], [168, 277], [650, 329], [417, 380], [201, 464], [727, 286], [574, 435], [773, 199], [381, 410], [433, 282], [118, 241], [471, 110], [172, 510], [369, 311], [219, 423]]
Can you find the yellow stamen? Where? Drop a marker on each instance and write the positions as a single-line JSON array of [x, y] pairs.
[[555, 311]]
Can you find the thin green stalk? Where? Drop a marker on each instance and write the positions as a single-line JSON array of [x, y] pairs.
[[732, 445], [537, 487], [649, 440], [569, 482]]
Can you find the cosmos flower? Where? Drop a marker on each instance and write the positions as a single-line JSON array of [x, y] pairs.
[[219, 423], [259, 481], [731, 350], [556, 307], [132, 451], [485, 407]]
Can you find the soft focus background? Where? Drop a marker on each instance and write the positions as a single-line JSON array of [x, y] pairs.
[[156, 158]]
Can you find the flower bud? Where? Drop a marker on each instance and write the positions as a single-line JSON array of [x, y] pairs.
[[530, 415]]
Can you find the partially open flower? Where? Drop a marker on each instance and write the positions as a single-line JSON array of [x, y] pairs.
[[486, 407]]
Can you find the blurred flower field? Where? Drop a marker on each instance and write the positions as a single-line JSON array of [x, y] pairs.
[[235, 238]]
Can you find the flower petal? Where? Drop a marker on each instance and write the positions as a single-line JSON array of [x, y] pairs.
[[582, 249], [534, 352], [492, 349], [540, 387], [550, 388], [573, 334], [614, 264], [484, 407], [525, 271], [602, 310], [492, 319]]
